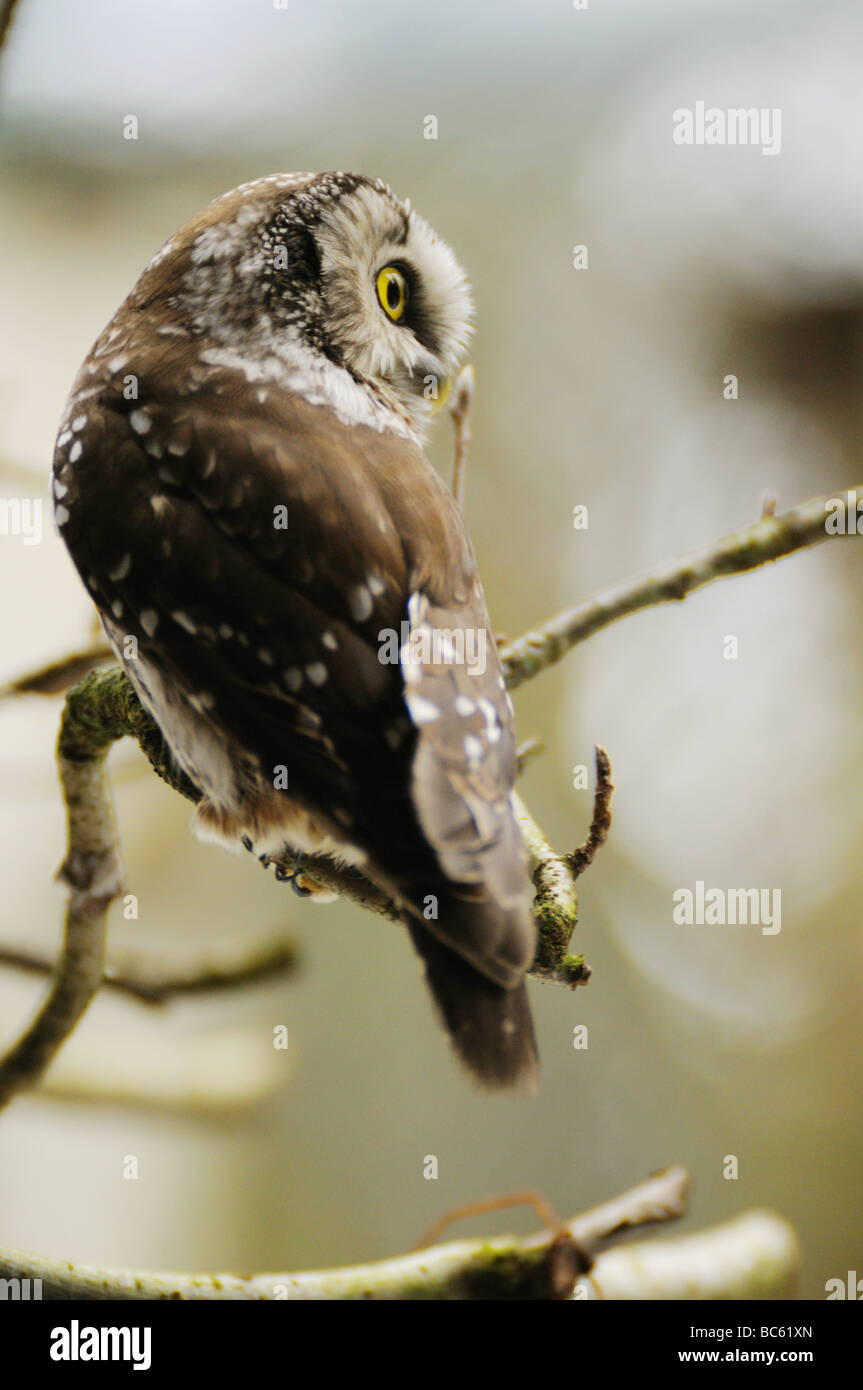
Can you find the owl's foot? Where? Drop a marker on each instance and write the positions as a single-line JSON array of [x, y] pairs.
[[309, 888], [303, 885]]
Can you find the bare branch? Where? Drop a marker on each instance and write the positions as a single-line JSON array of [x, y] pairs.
[[769, 539], [7, 10], [58, 675], [583, 857], [660, 1198], [148, 984], [755, 1256], [92, 872]]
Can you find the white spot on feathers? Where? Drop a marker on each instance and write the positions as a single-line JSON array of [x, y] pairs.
[[121, 569], [360, 603], [184, 621], [422, 710]]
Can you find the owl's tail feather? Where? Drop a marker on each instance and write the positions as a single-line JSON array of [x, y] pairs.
[[491, 1027]]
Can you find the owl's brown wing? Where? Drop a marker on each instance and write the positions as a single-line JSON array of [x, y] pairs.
[[261, 553]]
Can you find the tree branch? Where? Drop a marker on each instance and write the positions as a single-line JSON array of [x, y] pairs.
[[92, 873], [58, 675], [768, 539], [140, 980], [754, 1256]]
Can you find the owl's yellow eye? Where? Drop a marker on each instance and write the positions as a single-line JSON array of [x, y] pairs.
[[392, 290]]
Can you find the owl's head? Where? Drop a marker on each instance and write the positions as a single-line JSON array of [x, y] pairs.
[[326, 282]]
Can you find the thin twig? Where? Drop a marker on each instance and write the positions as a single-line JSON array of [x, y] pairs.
[[531, 748], [769, 502], [59, 675], [482, 1206], [767, 540], [460, 408], [151, 986], [583, 857], [7, 10]]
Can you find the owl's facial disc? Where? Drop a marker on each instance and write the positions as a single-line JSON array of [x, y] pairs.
[[396, 302]]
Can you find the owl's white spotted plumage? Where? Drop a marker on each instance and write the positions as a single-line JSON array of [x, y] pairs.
[[239, 478]]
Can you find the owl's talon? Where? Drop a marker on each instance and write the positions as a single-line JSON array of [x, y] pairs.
[[292, 876]]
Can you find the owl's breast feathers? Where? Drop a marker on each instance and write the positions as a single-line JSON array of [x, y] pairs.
[[302, 594]]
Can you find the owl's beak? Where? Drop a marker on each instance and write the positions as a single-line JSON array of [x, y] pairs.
[[431, 381], [443, 391]]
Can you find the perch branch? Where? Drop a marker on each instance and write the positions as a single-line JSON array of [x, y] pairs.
[[92, 873], [768, 539], [555, 905], [754, 1256]]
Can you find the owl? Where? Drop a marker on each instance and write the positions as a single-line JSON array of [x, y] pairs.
[[240, 480]]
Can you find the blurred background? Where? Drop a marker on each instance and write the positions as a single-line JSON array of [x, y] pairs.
[[600, 386]]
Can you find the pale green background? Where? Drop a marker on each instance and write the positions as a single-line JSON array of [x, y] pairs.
[[600, 387]]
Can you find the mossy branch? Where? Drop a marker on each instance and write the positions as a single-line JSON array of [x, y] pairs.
[[754, 1256]]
